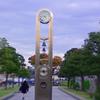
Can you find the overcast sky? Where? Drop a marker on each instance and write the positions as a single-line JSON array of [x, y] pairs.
[[73, 20]]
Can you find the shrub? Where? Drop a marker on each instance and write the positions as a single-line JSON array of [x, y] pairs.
[[97, 94], [86, 85], [65, 83], [76, 86]]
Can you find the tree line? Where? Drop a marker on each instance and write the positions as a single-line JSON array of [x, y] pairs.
[[84, 61], [11, 63]]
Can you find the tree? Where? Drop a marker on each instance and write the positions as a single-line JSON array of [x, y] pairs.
[[24, 73], [76, 64], [9, 63], [21, 61], [32, 60], [3, 43], [57, 61], [93, 45], [68, 69], [44, 59]]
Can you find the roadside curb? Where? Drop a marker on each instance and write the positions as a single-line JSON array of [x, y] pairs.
[[71, 94]]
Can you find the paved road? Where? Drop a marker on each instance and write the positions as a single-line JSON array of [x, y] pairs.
[[57, 95]]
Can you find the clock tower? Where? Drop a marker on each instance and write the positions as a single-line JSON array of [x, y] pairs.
[[43, 72]]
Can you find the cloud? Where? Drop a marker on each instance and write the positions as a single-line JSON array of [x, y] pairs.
[[73, 20], [66, 42]]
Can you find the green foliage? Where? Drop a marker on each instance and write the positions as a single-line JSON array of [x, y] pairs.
[[20, 59], [64, 83], [83, 61], [23, 72], [97, 94], [76, 86], [75, 63], [9, 67], [86, 85], [5, 92], [72, 84], [3, 43], [92, 44], [84, 95], [9, 60]]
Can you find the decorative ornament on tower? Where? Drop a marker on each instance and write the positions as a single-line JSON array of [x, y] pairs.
[[43, 72]]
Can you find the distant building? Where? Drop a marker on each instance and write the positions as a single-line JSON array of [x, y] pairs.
[[2, 78]]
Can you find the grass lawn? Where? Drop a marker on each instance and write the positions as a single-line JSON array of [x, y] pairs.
[[5, 92], [85, 95]]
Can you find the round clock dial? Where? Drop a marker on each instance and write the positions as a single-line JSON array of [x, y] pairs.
[[43, 71], [44, 16]]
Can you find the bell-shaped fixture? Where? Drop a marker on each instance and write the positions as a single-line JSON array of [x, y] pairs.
[[44, 50], [44, 44]]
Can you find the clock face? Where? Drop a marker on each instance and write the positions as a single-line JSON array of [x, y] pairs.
[[43, 71], [44, 16]]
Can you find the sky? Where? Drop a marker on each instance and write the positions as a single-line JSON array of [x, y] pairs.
[[73, 20]]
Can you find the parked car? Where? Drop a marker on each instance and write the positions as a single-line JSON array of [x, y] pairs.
[[31, 81], [55, 82]]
